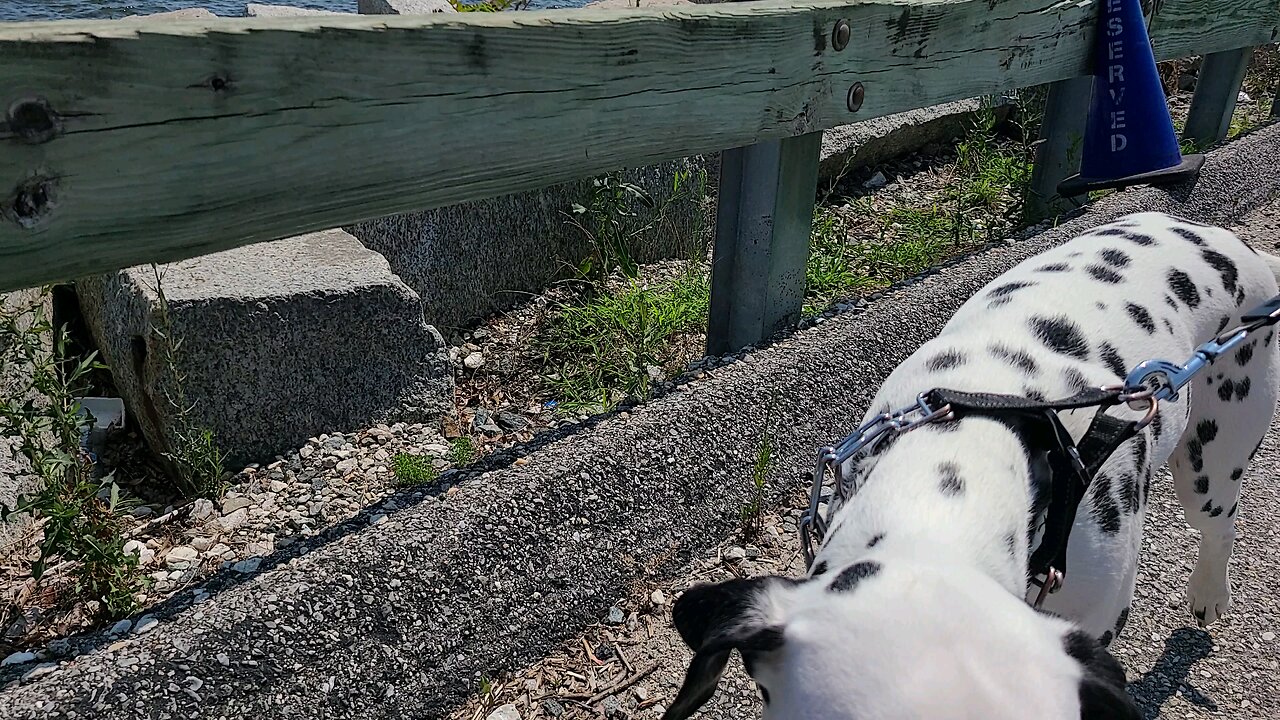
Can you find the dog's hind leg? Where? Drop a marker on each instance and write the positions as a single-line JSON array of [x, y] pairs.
[[1232, 406]]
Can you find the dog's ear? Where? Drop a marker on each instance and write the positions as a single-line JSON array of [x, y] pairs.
[[1102, 689], [714, 620]]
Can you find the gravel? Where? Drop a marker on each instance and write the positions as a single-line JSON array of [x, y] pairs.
[[505, 566]]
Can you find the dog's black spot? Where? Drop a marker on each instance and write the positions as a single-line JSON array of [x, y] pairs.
[[1237, 473], [1168, 300], [1107, 514], [1255, 449], [1244, 354], [1239, 297], [1112, 358], [1195, 453], [1075, 379], [1141, 316], [819, 569], [1168, 325], [945, 360], [849, 577], [1018, 358], [1222, 324], [1054, 268], [950, 483], [1139, 453], [1188, 235], [1101, 306], [1034, 394], [1106, 638], [1104, 274], [1226, 269], [1061, 335], [1208, 381], [1207, 430], [944, 426], [1011, 543], [1226, 389], [1115, 258], [1210, 509], [1267, 340], [1008, 289], [1202, 484], [1182, 286], [1199, 614], [1216, 511], [1129, 492], [1157, 427], [1242, 388], [1232, 511], [875, 540], [1122, 620], [1208, 291], [1133, 237]]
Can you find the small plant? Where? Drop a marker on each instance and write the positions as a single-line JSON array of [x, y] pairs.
[[192, 455], [462, 451], [752, 511], [42, 410], [412, 469], [618, 213]]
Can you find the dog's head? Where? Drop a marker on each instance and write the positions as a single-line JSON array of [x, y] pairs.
[[886, 638]]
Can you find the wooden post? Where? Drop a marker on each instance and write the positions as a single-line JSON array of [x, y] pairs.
[[1214, 101], [763, 221], [1066, 112]]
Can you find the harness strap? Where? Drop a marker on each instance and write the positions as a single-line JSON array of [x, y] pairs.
[[1072, 466]]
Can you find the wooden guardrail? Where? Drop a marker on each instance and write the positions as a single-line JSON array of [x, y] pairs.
[[126, 143]]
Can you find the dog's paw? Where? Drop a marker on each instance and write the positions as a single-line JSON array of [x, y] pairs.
[[1210, 597]]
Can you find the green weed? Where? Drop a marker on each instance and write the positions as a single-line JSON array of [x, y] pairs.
[[462, 451], [412, 469], [992, 177], [42, 411], [603, 349], [751, 512], [192, 456]]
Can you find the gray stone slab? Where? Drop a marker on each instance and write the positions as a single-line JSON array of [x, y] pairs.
[[403, 7], [281, 341], [512, 563], [849, 147], [471, 259], [260, 10]]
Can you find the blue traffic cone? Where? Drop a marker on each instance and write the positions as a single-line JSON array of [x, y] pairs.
[[1129, 139]]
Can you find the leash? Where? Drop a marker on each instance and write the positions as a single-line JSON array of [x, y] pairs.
[[1072, 465]]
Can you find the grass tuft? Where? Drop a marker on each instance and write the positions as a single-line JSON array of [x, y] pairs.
[[413, 470]]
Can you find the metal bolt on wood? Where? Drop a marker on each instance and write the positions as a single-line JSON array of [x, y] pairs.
[[840, 35], [857, 94]]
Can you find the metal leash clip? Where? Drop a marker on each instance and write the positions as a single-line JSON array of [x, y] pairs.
[[812, 525]]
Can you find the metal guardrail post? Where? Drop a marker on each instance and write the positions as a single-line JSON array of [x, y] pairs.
[[763, 221], [1275, 104], [1066, 112], [1214, 101]]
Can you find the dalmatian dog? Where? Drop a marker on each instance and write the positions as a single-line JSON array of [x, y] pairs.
[[918, 604]]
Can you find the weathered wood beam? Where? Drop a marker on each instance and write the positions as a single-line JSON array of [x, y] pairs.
[[133, 142]]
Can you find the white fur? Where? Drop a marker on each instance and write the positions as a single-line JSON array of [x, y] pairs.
[[943, 629]]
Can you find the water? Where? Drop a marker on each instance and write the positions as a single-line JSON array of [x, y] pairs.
[[14, 10]]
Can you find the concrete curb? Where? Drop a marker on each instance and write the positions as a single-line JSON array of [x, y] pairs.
[[399, 619]]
